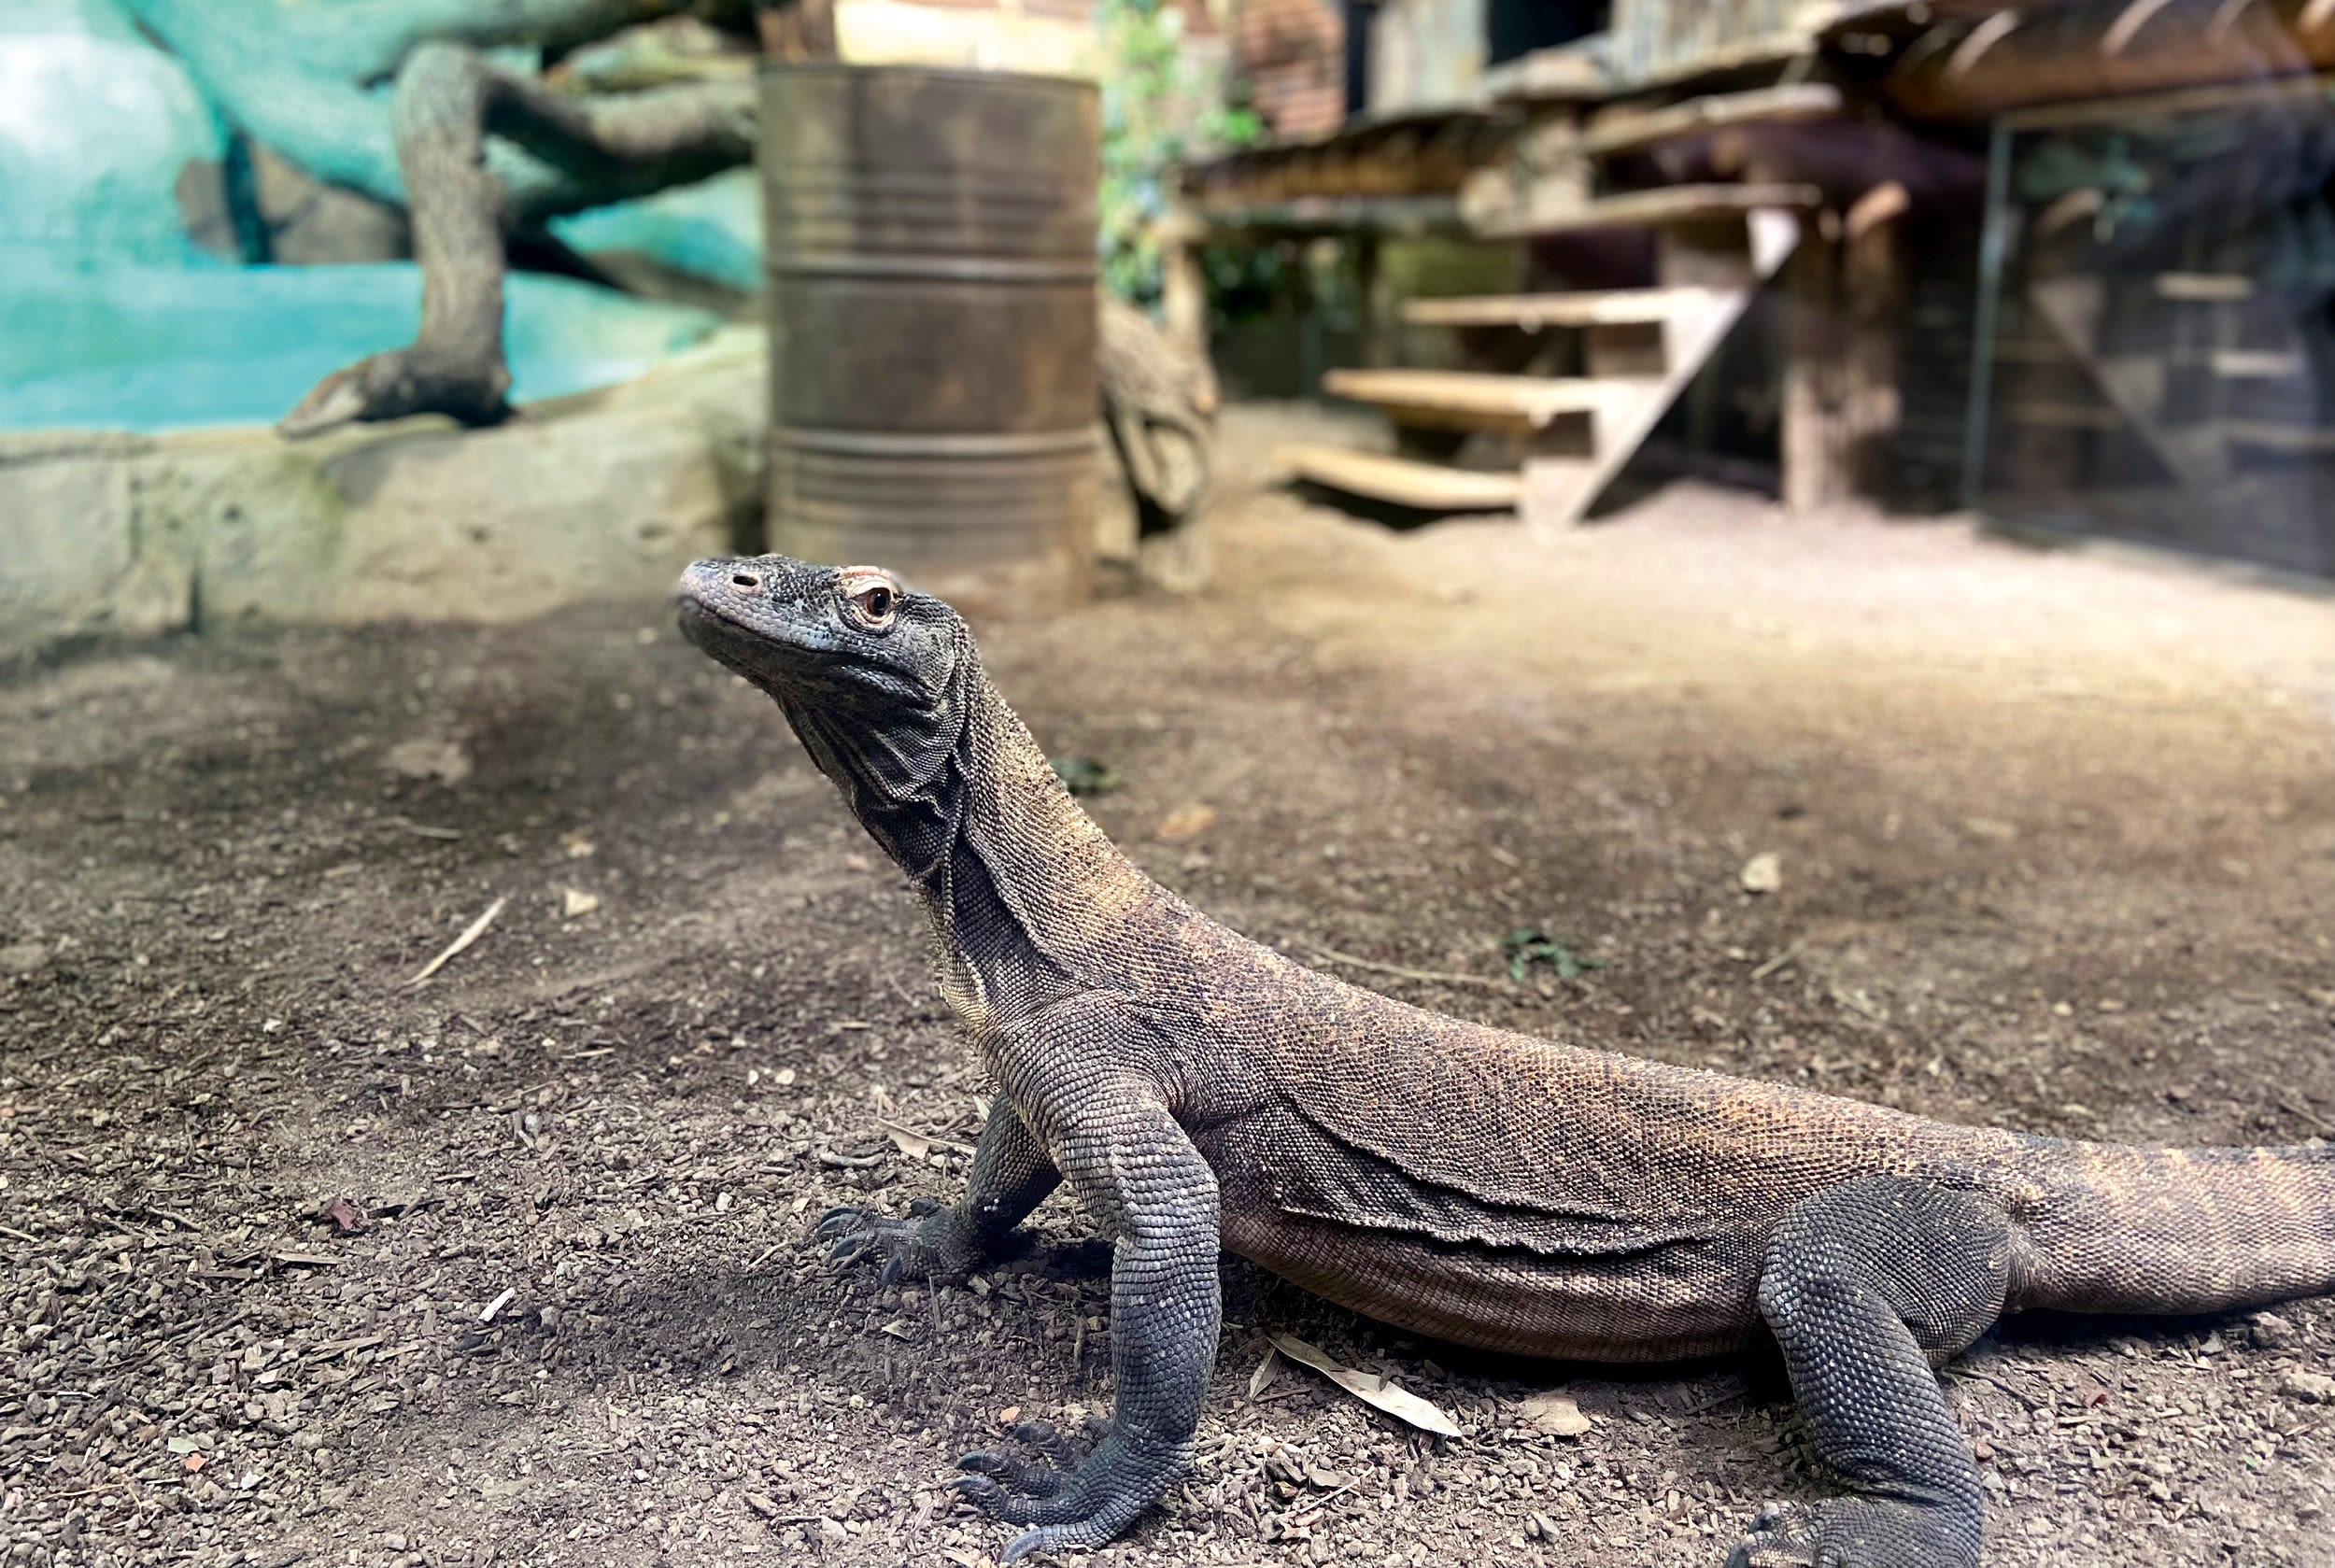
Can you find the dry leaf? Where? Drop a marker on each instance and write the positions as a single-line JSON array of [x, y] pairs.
[[1262, 1379], [1554, 1413], [1186, 822], [346, 1217], [1372, 1389], [1763, 873], [575, 901]]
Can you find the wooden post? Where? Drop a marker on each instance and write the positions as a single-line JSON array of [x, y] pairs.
[[1814, 449], [1376, 308], [1872, 266], [1183, 287]]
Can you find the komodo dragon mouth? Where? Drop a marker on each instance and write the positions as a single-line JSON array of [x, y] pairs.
[[1198, 1092]]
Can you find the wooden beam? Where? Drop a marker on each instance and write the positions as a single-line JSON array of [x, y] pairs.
[[1533, 312], [1336, 215], [1630, 126], [1654, 208]]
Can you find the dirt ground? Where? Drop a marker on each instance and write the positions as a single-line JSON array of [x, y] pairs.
[[2056, 834]]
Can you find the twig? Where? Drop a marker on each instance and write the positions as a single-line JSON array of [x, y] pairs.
[[851, 1162], [1779, 960], [471, 933], [1435, 977], [767, 1253], [11, 1230], [423, 829], [950, 1144]]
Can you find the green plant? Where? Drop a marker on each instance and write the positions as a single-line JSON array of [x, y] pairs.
[[1528, 945], [1158, 110]]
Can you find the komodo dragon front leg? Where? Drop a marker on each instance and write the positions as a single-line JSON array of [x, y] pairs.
[[1868, 1287], [1149, 1191]]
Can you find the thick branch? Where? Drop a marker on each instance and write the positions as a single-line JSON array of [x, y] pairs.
[[448, 99], [295, 76]]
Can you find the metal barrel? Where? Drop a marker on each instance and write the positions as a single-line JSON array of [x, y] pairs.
[[932, 309]]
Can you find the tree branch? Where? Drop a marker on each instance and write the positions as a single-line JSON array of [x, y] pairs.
[[448, 99]]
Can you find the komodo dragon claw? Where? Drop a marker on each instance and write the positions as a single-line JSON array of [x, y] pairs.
[[931, 1244], [1847, 1532]]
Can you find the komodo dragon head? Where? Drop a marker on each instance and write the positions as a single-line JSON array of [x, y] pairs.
[[877, 681]]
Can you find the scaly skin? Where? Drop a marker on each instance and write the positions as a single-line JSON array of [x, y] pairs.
[[1200, 1092]]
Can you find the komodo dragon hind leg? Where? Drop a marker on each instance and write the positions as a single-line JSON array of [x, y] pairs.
[[1867, 1287], [1010, 1176]]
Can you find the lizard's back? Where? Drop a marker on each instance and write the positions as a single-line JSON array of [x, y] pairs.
[[1522, 1195]]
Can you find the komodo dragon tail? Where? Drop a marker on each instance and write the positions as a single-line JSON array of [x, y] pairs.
[[2112, 1228]]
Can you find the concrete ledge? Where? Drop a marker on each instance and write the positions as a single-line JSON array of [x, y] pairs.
[[602, 494]]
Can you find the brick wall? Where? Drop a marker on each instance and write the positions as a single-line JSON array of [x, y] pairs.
[[1293, 55]]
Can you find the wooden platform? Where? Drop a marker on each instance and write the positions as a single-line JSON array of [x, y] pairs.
[[1468, 400], [1610, 307], [1401, 481], [1642, 209]]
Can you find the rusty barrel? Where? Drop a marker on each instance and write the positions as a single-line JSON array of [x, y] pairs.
[[932, 274]]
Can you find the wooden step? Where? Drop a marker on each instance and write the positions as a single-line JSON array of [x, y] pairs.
[[1645, 209], [1630, 126], [1469, 400], [1401, 481], [1608, 307]]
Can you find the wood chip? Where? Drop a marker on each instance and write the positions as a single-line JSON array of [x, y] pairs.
[[1372, 1389], [510, 1293], [471, 933], [1554, 1413]]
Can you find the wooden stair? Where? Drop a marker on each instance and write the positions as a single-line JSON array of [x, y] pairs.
[[1468, 400], [1401, 481], [1641, 347]]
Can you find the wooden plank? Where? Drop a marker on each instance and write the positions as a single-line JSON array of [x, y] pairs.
[[1534, 312], [1654, 208], [2269, 436], [1567, 74], [2065, 415], [2191, 287], [1336, 215], [1425, 487], [1622, 129], [1472, 398]]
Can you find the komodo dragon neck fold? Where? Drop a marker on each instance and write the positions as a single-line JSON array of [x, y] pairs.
[[1197, 1091]]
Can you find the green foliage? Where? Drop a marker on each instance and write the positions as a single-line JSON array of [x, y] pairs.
[[1158, 110], [1528, 945], [1083, 775]]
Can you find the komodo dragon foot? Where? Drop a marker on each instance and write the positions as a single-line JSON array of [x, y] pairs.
[[934, 1242], [1849, 1532], [1069, 1501]]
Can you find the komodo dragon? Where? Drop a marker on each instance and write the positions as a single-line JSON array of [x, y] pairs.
[[1200, 1092]]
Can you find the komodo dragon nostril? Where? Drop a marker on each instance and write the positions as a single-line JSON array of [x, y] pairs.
[[744, 580]]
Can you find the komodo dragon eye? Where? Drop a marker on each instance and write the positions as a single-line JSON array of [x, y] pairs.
[[871, 596]]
